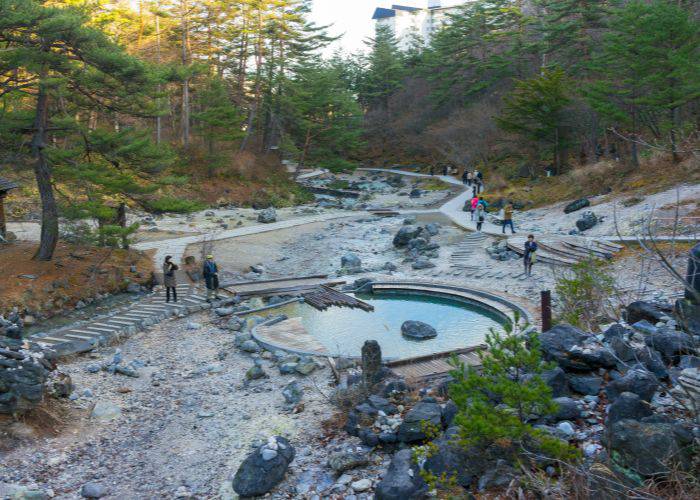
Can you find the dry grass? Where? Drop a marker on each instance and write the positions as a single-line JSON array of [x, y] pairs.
[[76, 273], [49, 419], [653, 175]]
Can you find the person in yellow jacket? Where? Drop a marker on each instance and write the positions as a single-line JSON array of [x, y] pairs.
[[508, 218]]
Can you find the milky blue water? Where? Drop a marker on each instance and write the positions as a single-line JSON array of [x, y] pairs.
[[343, 331]]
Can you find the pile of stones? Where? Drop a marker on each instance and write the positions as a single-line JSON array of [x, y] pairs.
[[499, 251], [416, 240]]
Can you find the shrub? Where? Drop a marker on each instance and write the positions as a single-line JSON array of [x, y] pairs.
[[173, 205], [338, 165], [584, 294], [497, 402]]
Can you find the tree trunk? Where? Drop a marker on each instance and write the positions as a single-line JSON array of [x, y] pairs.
[[185, 118], [42, 172], [305, 150], [159, 124], [674, 140]]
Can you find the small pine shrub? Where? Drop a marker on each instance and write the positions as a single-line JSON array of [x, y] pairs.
[[497, 402]]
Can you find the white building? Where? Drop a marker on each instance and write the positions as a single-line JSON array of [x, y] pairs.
[[406, 22]]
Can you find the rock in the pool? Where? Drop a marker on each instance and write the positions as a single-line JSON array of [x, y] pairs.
[[418, 330]]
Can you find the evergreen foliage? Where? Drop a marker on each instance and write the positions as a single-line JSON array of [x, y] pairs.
[[497, 402]]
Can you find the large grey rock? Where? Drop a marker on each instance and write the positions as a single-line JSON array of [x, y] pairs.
[[567, 409], [671, 344], [406, 234], [577, 205], [422, 263], [402, 480], [93, 490], [267, 216], [257, 476], [557, 381], [573, 349], [585, 384], [351, 262], [105, 411], [293, 393], [432, 228], [650, 448], [638, 380], [628, 406], [347, 459], [587, 221], [371, 362], [639, 310], [412, 428], [418, 330]]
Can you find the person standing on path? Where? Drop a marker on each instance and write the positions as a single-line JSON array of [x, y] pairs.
[[169, 278], [470, 178], [465, 178], [530, 255], [480, 215], [508, 218], [211, 277]]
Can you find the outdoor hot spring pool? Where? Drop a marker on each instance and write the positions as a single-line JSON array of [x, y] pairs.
[[343, 331]]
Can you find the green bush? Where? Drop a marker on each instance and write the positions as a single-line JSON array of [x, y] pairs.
[[584, 294], [173, 205], [497, 402], [338, 165]]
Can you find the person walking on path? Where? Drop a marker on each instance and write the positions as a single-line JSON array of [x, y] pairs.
[[465, 178], [211, 277], [470, 178], [169, 278], [530, 254], [475, 202], [508, 218], [480, 215]]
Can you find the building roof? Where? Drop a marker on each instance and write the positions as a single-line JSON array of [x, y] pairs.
[[382, 13], [6, 184], [404, 7]]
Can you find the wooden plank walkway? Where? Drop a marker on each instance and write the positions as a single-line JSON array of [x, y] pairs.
[[432, 366], [324, 297], [277, 286], [290, 334]]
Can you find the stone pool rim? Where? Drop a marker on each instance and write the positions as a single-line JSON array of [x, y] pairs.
[[495, 302]]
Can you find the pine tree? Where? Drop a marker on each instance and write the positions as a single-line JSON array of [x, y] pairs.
[[218, 120], [497, 402], [322, 115], [536, 111], [55, 60], [647, 70], [385, 69]]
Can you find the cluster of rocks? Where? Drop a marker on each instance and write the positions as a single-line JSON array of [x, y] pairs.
[[11, 326], [499, 251], [416, 240], [116, 365], [587, 221], [26, 376], [267, 216]]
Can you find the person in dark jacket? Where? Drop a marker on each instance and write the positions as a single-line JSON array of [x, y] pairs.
[[211, 277], [169, 279], [530, 254]]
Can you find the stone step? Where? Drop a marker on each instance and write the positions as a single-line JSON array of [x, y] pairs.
[[102, 327], [120, 320], [78, 337], [51, 340], [84, 332]]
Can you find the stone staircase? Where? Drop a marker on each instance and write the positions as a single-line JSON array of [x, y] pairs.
[[463, 256], [123, 321]]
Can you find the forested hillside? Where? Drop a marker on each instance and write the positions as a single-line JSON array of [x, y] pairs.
[[137, 102], [164, 104], [530, 85]]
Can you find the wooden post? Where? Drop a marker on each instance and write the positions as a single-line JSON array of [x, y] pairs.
[[3, 225], [546, 301]]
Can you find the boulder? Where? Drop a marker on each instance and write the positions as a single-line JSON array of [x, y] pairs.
[[351, 262], [573, 349], [347, 459], [418, 244], [622, 349], [433, 228], [688, 315], [255, 372], [567, 409], [267, 216], [614, 331], [389, 266], [371, 362], [498, 476], [628, 406], [306, 366], [577, 205], [406, 234], [650, 448], [261, 471], [585, 384], [402, 480], [382, 404], [415, 193], [671, 344], [638, 380], [640, 310], [645, 327], [422, 263], [250, 346], [557, 381], [449, 412], [587, 221], [417, 330], [412, 428], [93, 490], [293, 393]]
